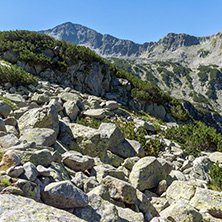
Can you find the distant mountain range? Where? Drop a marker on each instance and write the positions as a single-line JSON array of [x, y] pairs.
[[186, 49]]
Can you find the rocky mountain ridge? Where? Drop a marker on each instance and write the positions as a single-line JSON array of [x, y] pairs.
[[186, 49]]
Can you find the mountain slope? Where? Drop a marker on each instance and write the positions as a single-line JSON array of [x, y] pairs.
[[185, 49]]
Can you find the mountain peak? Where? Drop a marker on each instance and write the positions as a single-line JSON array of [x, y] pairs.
[[186, 48]]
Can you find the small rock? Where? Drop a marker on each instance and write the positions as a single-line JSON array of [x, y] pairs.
[[95, 113], [120, 190], [15, 171], [2, 125], [71, 109], [43, 171], [79, 180], [78, 162], [29, 189], [30, 171], [4, 109], [162, 186], [9, 159], [8, 141], [89, 184], [102, 171], [129, 162], [111, 105], [147, 173]]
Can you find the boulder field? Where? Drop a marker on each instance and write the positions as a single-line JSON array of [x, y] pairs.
[[52, 168]]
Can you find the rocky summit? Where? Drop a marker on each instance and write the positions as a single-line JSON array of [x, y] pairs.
[[81, 142]]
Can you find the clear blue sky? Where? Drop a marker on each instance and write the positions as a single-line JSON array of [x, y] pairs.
[[137, 20]]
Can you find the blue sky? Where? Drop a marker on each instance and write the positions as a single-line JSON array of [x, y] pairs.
[[138, 20]]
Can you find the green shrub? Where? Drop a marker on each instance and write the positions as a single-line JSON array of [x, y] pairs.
[[91, 122], [29, 47], [128, 130], [216, 176], [179, 113], [153, 147], [4, 182], [195, 138], [16, 75]]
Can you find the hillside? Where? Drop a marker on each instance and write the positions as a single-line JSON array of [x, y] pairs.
[[188, 50], [82, 140], [201, 85]]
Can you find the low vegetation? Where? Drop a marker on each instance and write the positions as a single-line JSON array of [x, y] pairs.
[[34, 48], [16, 76], [152, 147], [195, 138]]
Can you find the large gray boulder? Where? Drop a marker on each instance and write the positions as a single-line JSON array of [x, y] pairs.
[[44, 117], [102, 171], [77, 162], [147, 173], [208, 200], [41, 136], [180, 190], [88, 141], [71, 109], [123, 149], [64, 195], [112, 133], [120, 190], [9, 140], [17, 208], [37, 157], [181, 211], [97, 210]]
